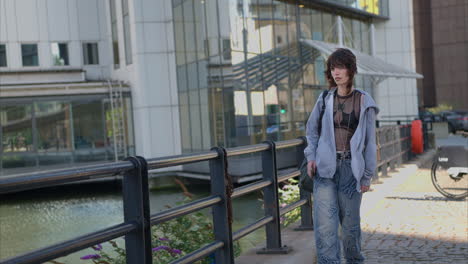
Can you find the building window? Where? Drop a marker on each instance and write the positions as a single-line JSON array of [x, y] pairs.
[[126, 28], [60, 54], [3, 59], [90, 53], [227, 49], [279, 39], [30, 54]]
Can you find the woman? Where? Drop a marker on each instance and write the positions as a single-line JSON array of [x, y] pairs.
[[342, 160]]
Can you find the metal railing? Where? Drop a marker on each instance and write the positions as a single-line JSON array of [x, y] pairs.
[[393, 146], [137, 219]]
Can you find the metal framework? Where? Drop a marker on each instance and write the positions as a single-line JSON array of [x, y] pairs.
[[138, 220], [367, 64]]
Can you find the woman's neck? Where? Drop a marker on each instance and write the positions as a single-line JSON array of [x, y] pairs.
[[343, 90]]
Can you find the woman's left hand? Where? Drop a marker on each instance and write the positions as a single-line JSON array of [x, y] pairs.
[[365, 188]]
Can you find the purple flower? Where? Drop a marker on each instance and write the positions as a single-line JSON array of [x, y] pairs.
[[176, 251], [164, 239], [161, 248], [97, 247], [93, 256], [173, 251]]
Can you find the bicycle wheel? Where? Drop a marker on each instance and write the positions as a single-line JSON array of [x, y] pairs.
[[450, 186]]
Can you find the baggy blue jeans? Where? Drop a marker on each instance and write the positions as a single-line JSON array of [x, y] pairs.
[[336, 201]]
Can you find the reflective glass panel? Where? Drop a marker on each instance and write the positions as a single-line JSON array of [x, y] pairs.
[[59, 54], [30, 55], [17, 147]]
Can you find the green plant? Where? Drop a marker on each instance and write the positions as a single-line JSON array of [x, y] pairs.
[[170, 241], [288, 194]]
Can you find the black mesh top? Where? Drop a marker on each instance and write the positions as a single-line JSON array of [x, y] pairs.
[[346, 110]]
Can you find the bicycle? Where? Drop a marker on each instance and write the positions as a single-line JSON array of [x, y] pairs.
[[449, 172]]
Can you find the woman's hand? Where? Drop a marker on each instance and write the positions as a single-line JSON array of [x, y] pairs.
[[311, 168], [364, 188]]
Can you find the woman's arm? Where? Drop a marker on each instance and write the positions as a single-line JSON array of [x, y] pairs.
[[370, 149]]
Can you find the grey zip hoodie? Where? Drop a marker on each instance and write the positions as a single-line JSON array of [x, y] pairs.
[[363, 145]]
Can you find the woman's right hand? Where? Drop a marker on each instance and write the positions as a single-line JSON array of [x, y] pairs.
[[311, 168]]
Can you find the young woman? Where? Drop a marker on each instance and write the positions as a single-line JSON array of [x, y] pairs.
[[341, 160]]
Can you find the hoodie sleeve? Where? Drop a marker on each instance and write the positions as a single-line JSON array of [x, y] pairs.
[[312, 130], [370, 149]]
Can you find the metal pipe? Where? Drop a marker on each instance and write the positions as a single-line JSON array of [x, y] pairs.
[[339, 30], [289, 143], [289, 175], [372, 39], [200, 253], [170, 161], [64, 248], [252, 227], [50, 178], [246, 149], [250, 188], [184, 209], [292, 206]]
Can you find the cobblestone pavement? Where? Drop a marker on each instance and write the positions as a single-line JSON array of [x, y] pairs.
[[404, 220], [415, 224]]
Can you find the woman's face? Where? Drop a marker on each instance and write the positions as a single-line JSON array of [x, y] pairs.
[[340, 75]]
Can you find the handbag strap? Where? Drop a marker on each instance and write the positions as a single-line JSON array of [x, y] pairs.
[[324, 94]]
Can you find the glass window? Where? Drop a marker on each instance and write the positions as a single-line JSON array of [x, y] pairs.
[[60, 54], [189, 30], [89, 135], [3, 57], [348, 37], [16, 137], [16, 125], [126, 28], [179, 35], [53, 126], [226, 49], [317, 30], [365, 37], [305, 22], [90, 53], [115, 36], [357, 36], [29, 54], [328, 23]]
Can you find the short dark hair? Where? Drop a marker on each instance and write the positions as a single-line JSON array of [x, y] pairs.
[[341, 58]]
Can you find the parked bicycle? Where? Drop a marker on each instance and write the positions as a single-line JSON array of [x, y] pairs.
[[449, 171]]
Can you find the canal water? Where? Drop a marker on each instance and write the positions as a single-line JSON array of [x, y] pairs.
[[34, 219]]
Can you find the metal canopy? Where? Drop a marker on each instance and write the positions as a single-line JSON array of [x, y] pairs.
[[366, 64]]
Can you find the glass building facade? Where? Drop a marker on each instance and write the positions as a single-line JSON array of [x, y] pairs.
[[243, 74], [54, 132]]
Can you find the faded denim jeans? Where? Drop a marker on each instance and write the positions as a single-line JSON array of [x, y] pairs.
[[336, 201]]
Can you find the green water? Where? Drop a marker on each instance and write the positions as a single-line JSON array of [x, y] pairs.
[[32, 220]]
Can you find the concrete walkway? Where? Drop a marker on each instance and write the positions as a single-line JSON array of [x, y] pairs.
[[404, 220]]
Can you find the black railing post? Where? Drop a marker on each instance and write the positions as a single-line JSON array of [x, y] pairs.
[[306, 209], [136, 209], [271, 204], [146, 206], [222, 212], [394, 138]]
